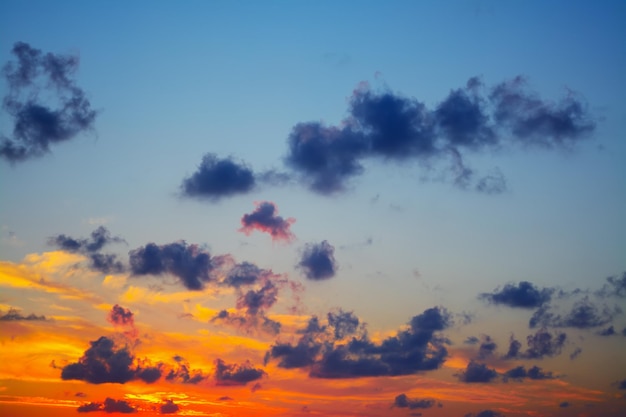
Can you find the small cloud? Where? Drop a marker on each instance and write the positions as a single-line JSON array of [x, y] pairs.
[[265, 219], [477, 372], [522, 295], [318, 261], [217, 178]]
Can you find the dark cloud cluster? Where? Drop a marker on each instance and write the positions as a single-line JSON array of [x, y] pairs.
[[477, 372], [217, 178], [103, 362], [416, 348], [583, 315], [236, 374], [540, 344], [614, 287], [519, 373], [36, 124], [14, 315], [109, 405], [105, 263], [182, 373], [245, 273], [189, 263], [402, 401], [396, 128], [487, 347], [265, 219], [522, 295], [318, 261]]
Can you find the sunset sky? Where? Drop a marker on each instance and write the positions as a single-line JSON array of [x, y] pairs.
[[313, 208]]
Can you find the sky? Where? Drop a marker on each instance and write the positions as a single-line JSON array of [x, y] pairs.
[[281, 208]]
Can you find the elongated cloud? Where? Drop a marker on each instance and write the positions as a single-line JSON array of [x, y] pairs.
[[318, 261], [38, 125], [392, 127], [265, 219], [584, 314], [402, 401], [522, 295], [189, 263], [105, 263], [217, 178], [415, 348], [109, 405], [485, 413], [236, 374], [14, 315], [519, 373]]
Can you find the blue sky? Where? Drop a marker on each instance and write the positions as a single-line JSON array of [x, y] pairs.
[[172, 82]]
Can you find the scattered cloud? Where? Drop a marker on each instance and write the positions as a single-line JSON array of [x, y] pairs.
[[415, 348], [614, 287], [485, 413], [108, 406], [168, 407], [391, 127], [105, 263], [36, 124], [318, 261], [584, 314]]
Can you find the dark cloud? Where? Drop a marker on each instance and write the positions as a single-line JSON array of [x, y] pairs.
[[254, 301], [217, 178], [487, 347], [485, 413], [103, 363], [265, 219], [564, 404], [522, 295], [183, 373], [584, 314], [326, 157], [514, 348], [37, 125], [609, 331], [477, 372], [168, 407], [245, 273], [248, 323], [318, 261], [534, 121], [575, 353], [234, 374], [120, 316], [105, 263], [14, 315], [189, 263], [391, 127], [415, 348], [543, 343], [402, 401], [123, 318], [343, 323], [520, 373], [621, 384], [109, 406], [615, 287], [471, 340]]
